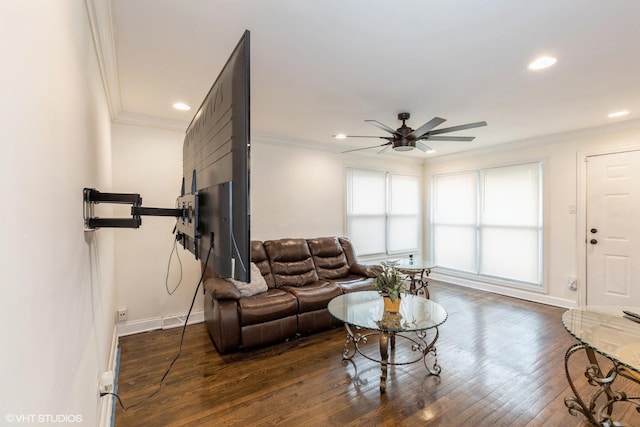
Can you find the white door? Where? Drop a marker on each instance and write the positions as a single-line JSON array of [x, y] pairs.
[[613, 229]]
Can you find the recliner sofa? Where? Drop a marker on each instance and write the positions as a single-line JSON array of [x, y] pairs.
[[302, 276]]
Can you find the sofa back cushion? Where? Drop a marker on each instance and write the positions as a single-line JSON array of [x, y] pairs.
[[261, 260], [329, 258], [349, 252], [291, 262]]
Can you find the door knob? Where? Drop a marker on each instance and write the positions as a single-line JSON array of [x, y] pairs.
[[593, 241], [594, 230]]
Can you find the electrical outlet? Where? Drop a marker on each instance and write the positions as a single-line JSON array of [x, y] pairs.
[[122, 313], [105, 382]]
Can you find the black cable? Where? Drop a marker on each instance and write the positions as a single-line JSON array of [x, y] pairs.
[[166, 280], [184, 328], [117, 397], [175, 245]]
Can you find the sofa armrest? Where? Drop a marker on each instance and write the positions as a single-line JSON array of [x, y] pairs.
[[365, 270], [221, 289]]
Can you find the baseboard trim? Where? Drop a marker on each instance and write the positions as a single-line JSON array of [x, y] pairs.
[[154, 323], [105, 418], [510, 292]]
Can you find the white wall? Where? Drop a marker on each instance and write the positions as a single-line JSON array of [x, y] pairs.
[[56, 282], [299, 191], [562, 181], [295, 192], [148, 161]]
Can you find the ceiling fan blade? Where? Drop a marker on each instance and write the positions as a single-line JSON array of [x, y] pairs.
[[383, 127], [384, 149], [367, 148], [423, 147], [457, 128], [436, 121], [359, 136], [450, 138]]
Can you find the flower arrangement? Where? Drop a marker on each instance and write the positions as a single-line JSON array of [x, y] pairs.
[[389, 282]]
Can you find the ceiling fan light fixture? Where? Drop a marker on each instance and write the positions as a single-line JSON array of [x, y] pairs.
[[403, 148], [542, 63]]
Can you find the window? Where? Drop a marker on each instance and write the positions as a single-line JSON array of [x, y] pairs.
[[489, 222], [383, 215]]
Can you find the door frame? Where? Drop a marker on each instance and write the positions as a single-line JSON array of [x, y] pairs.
[[581, 202]]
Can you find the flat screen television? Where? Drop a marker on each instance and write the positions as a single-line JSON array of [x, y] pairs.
[[215, 186]]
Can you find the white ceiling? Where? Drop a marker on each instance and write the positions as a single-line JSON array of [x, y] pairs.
[[323, 67]]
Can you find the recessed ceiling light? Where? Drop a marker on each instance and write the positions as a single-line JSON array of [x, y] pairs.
[[430, 151], [618, 114], [181, 106], [340, 136], [542, 62]]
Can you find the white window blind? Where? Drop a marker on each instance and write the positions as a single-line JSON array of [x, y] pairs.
[[383, 215], [489, 222], [366, 211], [455, 221]]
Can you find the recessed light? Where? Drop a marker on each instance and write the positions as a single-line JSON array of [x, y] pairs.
[[340, 136], [618, 114], [181, 106], [542, 62]]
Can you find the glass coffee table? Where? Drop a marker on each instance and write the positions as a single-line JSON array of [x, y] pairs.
[[418, 318]]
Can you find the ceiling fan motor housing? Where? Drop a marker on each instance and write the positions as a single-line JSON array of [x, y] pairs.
[[404, 141]]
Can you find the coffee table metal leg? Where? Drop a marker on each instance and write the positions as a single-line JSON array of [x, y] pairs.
[[351, 343], [384, 356], [387, 345]]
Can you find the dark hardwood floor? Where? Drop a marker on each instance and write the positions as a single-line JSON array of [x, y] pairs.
[[502, 364]]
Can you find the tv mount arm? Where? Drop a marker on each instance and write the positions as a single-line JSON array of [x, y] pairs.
[[188, 213], [92, 196]]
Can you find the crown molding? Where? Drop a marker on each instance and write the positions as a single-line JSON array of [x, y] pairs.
[[539, 141], [150, 121], [257, 137], [101, 23]]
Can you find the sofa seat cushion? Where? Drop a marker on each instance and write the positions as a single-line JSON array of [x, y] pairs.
[[315, 295], [355, 283], [266, 306]]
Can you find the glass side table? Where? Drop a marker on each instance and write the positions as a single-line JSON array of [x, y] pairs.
[[606, 331], [417, 271]]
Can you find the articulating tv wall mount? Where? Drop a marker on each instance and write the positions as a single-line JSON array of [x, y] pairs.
[[92, 196], [187, 212]]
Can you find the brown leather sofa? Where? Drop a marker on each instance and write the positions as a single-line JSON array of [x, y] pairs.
[[302, 276]]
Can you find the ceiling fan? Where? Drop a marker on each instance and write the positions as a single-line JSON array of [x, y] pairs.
[[405, 139]]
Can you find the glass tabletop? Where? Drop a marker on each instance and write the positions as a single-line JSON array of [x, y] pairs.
[[607, 331], [365, 309], [413, 264]]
